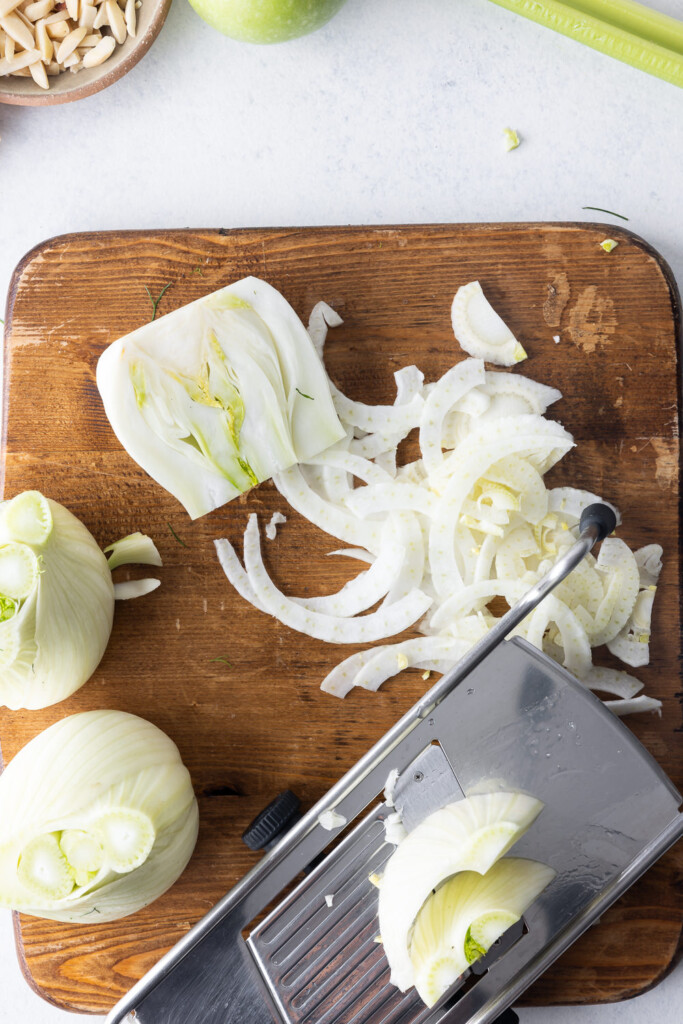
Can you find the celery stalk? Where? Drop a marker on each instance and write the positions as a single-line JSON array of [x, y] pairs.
[[624, 29]]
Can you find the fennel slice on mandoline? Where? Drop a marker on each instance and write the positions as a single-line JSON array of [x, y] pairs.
[[460, 921], [468, 835], [97, 819], [219, 395]]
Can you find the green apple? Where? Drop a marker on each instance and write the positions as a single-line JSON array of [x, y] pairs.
[[266, 21]]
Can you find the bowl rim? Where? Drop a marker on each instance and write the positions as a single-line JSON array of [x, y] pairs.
[[108, 77]]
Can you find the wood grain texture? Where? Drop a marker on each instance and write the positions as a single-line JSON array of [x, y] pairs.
[[259, 724]]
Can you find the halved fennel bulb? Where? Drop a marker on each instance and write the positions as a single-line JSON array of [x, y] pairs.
[[97, 819], [479, 329], [469, 835], [461, 920], [56, 599], [217, 396]]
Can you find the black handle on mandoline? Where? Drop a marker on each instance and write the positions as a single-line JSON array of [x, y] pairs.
[[600, 516]]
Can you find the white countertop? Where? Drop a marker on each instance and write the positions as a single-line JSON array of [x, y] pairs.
[[392, 113]]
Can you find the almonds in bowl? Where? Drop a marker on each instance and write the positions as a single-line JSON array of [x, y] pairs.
[[54, 51]]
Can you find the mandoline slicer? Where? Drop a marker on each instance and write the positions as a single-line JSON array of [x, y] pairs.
[[506, 717]]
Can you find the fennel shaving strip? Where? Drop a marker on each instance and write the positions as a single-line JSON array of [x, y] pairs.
[[466, 525]]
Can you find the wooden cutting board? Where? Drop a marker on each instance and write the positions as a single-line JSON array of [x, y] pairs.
[[252, 727]]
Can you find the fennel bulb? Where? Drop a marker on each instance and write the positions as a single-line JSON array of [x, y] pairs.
[[97, 819], [468, 835], [56, 599], [214, 398], [464, 917]]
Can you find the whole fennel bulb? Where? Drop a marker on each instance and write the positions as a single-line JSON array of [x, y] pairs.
[[97, 819]]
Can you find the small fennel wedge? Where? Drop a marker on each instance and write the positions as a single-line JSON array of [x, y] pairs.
[[97, 819], [469, 835], [462, 919], [479, 329], [56, 600], [219, 395]]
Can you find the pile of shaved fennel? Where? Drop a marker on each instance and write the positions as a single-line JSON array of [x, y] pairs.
[[468, 522]]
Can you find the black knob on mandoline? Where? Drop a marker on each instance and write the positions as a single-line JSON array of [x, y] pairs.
[[273, 821], [601, 516]]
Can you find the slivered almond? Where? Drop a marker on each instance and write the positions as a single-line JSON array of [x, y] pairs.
[[38, 10], [10, 47], [99, 53], [58, 31], [18, 63], [116, 20], [39, 74], [69, 44], [88, 14], [22, 17], [72, 7], [53, 69], [131, 18], [101, 18], [7, 6], [57, 16], [45, 44], [15, 28], [90, 40]]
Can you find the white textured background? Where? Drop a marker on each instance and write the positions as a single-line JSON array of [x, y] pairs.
[[393, 113]]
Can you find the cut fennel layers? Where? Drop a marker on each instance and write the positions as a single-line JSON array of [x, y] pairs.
[[462, 918], [56, 599], [467, 525], [97, 819], [214, 398], [470, 835]]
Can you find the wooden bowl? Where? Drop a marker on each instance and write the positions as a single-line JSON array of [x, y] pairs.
[[67, 87]]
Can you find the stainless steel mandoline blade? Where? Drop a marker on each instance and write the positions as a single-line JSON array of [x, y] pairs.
[[510, 718]]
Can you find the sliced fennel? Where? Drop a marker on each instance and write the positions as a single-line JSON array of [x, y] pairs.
[[96, 812], [470, 835], [468, 523], [217, 396], [510, 139], [479, 329], [461, 920], [134, 588], [136, 548]]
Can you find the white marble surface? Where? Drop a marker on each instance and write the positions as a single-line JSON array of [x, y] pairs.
[[393, 113]]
